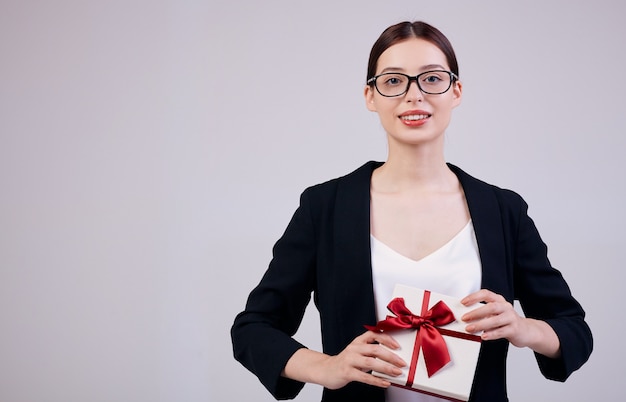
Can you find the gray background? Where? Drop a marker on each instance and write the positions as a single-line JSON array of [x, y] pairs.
[[151, 152]]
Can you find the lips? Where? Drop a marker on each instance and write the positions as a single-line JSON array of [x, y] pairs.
[[414, 117]]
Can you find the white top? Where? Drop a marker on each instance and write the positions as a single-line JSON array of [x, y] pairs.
[[454, 270]]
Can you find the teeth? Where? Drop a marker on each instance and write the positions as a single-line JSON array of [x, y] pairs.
[[414, 117]]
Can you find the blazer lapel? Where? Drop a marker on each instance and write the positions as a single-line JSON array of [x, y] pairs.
[[486, 217], [353, 268]]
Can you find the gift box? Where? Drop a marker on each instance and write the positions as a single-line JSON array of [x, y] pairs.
[[440, 354]]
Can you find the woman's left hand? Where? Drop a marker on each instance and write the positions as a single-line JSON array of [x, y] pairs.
[[498, 319]]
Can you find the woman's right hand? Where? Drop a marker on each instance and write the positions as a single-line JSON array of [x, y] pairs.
[[363, 355]]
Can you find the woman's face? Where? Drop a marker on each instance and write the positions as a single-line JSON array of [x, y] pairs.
[[415, 117]]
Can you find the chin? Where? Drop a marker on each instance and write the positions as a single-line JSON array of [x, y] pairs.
[[416, 137]]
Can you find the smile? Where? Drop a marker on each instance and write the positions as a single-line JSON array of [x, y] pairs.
[[414, 117]]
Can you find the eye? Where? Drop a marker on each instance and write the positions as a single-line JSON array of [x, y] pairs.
[[432, 78], [393, 80]]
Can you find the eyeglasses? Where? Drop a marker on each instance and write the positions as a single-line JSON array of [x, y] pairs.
[[429, 82]]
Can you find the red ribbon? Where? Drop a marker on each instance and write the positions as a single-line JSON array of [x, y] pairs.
[[428, 337]]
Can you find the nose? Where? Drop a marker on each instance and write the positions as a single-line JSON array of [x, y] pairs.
[[413, 94]]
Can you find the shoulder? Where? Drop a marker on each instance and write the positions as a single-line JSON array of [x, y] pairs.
[[345, 196], [355, 180], [479, 190]]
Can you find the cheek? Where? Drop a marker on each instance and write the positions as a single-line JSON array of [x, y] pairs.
[[446, 105], [387, 116]]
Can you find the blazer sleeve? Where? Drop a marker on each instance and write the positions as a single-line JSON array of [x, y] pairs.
[[544, 294], [262, 333]]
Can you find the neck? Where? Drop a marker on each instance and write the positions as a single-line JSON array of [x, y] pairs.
[[415, 168]]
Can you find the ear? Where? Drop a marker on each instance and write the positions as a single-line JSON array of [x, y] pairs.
[[368, 93], [457, 93]]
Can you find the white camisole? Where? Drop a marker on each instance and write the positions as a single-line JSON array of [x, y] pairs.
[[454, 269]]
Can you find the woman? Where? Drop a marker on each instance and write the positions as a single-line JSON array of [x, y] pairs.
[[416, 220]]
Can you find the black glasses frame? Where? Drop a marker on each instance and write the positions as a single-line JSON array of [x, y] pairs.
[[453, 78]]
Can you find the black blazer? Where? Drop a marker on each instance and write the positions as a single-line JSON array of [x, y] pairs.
[[325, 251]]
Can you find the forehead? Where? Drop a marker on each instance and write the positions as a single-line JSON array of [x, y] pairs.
[[412, 55]]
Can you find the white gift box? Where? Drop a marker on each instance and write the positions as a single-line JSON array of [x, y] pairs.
[[454, 380]]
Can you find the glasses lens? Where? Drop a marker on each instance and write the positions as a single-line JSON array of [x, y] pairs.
[[392, 84], [434, 82]]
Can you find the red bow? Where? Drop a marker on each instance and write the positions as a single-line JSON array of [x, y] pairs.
[[428, 337]]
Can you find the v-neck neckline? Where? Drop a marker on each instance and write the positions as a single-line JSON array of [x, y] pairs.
[[439, 250]]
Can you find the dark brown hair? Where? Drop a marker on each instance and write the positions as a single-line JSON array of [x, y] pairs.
[[407, 30]]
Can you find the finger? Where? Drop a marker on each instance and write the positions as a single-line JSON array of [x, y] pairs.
[[495, 307], [473, 298], [379, 337], [388, 356], [371, 379], [387, 340], [369, 363], [483, 295], [492, 322], [478, 313], [496, 333], [503, 311]]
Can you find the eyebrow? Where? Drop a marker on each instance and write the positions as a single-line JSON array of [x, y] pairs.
[[423, 68]]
